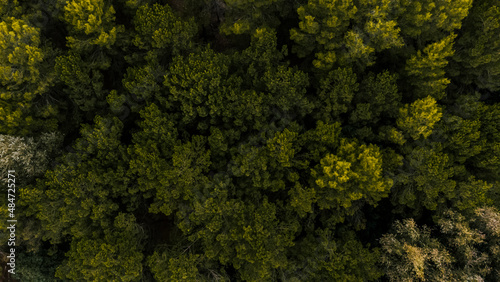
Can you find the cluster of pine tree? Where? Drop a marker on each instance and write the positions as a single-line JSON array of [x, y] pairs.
[[252, 140]]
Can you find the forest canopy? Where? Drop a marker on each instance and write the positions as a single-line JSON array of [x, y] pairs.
[[251, 140]]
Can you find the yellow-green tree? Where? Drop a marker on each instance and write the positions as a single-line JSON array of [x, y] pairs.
[[157, 26], [430, 20], [418, 119], [352, 174], [24, 78], [341, 33], [426, 69], [91, 23]]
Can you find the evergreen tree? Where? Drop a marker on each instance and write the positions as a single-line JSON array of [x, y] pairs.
[[335, 93], [426, 71], [354, 173], [23, 80], [91, 23], [240, 17], [343, 33], [417, 119], [431, 21], [478, 47], [251, 140], [157, 26]]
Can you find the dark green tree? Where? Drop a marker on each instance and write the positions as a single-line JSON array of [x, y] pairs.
[[477, 53]]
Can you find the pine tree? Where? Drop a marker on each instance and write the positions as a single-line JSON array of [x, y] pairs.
[[425, 180], [84, 82], [431, 21], [157, 26], [85, 189], [322, 256], [335, 93], [116, 255], [478, 47], [352, 174], [343, 33], [91, 23], [23, 80], [426, 69], [417, 119], [240, 17], [378, 99]]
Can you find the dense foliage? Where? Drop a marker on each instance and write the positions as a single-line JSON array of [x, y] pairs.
[[252, 140]]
